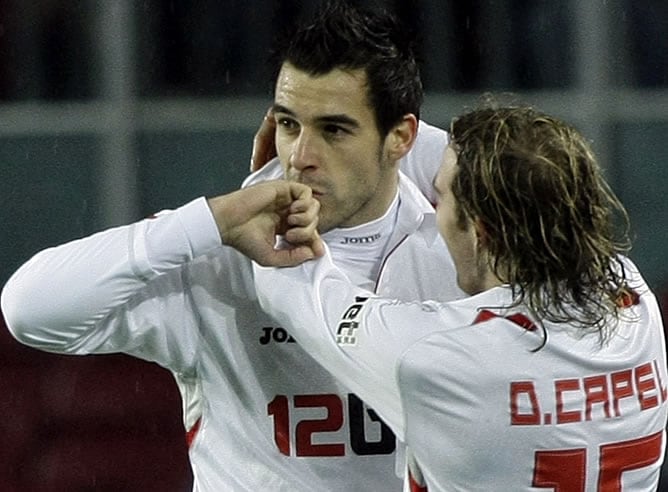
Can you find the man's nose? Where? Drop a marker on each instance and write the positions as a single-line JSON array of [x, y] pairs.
[[305, 153]]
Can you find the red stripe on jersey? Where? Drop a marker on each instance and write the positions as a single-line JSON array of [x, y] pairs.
[[414, 486], [192, 433], [517, 318], [484, 315], [523, 321]]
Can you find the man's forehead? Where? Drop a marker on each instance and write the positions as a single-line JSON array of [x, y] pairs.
[[294, 82], [334, 95], [358, 74]]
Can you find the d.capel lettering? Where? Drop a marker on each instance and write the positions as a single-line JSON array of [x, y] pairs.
[[601, 396]]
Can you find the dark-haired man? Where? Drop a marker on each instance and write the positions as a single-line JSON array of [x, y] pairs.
[[260, 413]]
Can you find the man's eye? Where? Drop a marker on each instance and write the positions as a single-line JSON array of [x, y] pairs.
[[287, 123], [335, 130]]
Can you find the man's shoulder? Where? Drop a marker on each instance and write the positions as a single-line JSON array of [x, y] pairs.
[[411, 194], [423, 161], [431, 133], [420, 267]]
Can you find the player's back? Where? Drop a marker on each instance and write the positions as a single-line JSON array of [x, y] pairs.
[[488, 408]]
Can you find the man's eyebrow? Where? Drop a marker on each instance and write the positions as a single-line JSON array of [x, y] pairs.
[[339, 119], [277, 108]]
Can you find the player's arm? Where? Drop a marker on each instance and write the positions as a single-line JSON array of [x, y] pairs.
[[359, 338], [66, 295], [103, 292], [250, 219]]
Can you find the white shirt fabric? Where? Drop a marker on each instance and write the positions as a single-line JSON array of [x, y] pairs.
[[165, 290], [477, 398]]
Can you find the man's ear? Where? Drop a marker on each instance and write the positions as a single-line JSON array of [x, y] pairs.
[[401, 137]]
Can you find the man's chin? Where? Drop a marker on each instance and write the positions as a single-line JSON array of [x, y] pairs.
[[323, 229], [325, 224]]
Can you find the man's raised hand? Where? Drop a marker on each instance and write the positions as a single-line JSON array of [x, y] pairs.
[[250, 220], [264, 142]]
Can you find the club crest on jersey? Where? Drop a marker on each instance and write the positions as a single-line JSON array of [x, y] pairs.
[[347, 329]]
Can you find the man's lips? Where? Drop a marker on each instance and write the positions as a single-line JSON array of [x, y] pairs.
[[316, 190]]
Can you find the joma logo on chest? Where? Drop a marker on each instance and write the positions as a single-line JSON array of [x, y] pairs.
[[276, 335], [360, 240]]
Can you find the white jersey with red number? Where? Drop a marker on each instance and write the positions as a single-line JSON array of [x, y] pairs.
[[486, 398], [262, 414]]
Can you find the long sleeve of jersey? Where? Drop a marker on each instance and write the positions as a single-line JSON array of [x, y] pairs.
[[93, 294], [357, 337]]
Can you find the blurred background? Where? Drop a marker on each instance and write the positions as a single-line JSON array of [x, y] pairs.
[[113, 109]]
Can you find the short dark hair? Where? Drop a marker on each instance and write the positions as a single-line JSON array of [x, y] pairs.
[[350, 38]]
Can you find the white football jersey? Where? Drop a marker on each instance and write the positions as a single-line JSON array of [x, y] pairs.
[[487, 398], [261, 414]]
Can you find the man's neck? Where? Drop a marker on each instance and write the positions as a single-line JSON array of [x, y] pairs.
[[359, 250]]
